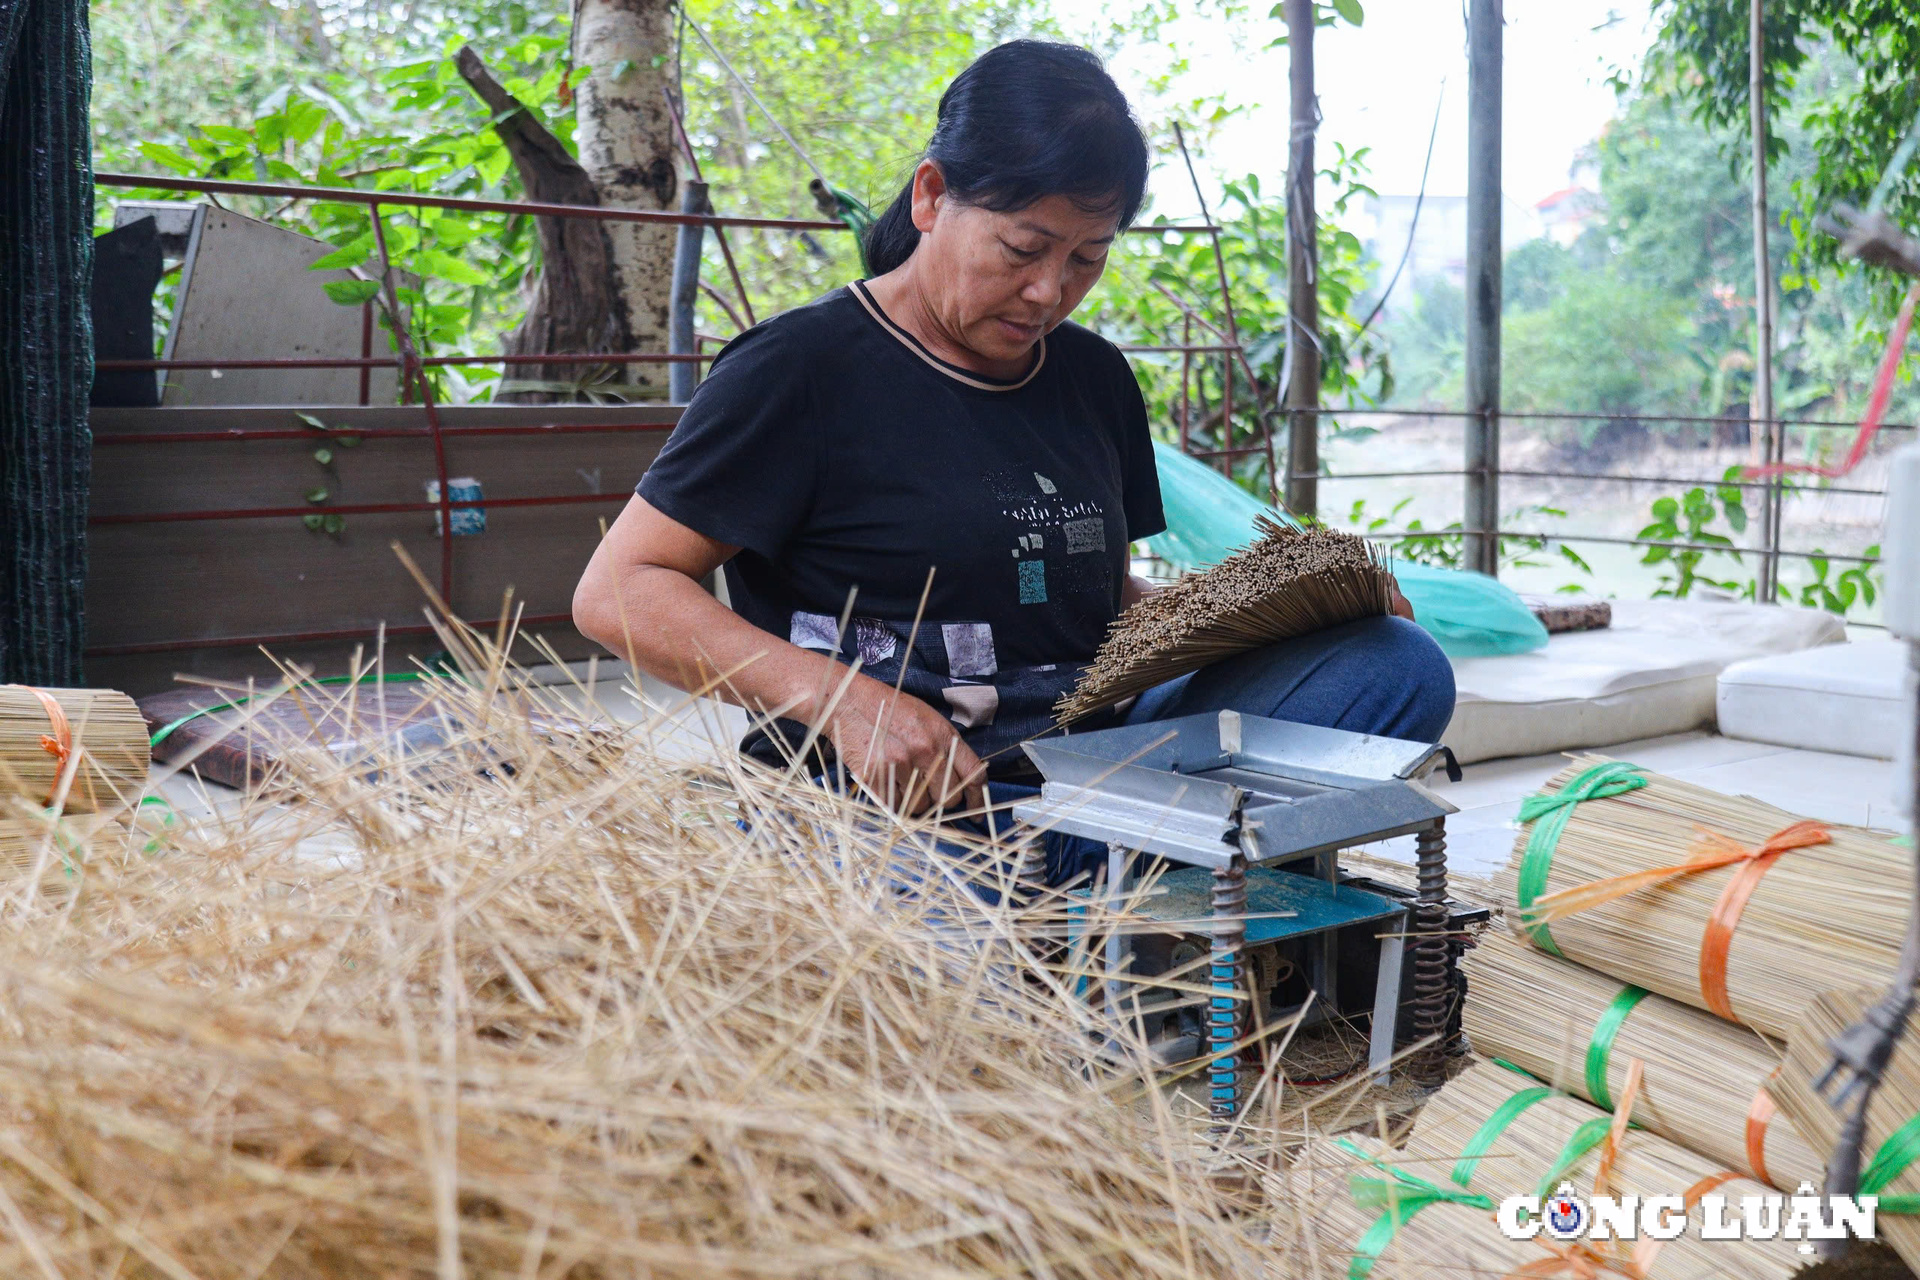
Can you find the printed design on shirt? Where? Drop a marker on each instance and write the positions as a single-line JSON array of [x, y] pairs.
[[873, 641], [814, 631], [973, 705], [1046, 486], [969, 648], [1033, 581], [955, 668], [1085, 535]]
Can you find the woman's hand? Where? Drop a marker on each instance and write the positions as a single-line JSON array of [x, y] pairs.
[[1400, 607], [904, 752]]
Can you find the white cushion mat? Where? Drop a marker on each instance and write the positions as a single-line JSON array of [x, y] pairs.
[[1845, 698], [1652, 672]]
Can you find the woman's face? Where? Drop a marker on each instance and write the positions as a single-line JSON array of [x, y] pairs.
[[998, 282]]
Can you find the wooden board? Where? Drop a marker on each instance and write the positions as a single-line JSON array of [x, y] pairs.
[[187, 596]]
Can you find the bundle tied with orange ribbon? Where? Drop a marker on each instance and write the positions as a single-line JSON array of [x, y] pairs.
[[1890, 1153], [1720, 902], [1499, 1132], [77, 750], [1351, 1208], [1705, 1084]]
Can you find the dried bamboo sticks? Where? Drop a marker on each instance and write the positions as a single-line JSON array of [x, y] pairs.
[[42, 729], [1892, 1120], [1578, 1030], [1288, 583], [1833, 901], [1466, 1140]]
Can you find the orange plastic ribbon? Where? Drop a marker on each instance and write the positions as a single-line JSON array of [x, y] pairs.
[[1712, 852], [1622, 1112], [1725, 918], [59, 743], [1759, 1113], [1646, 1250]]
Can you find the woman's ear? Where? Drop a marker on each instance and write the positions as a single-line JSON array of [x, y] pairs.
[[929, 193]]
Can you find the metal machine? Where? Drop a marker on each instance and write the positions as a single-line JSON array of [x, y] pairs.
[[1258, 810]]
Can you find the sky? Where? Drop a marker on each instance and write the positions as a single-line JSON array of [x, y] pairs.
[[1379, 85]]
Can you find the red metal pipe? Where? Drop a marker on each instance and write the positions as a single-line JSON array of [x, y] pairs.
[[373, 433], [305, 637], [357, 509]]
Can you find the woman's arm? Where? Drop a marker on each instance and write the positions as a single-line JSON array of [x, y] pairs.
[[641, 597]]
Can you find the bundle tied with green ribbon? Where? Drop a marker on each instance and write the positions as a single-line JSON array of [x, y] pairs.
[[1351, 1207], [1720, 902], [1496, 1131], [1890, 1155], [1705, 1078]]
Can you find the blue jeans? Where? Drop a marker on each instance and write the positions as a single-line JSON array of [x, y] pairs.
[[1378, 675]]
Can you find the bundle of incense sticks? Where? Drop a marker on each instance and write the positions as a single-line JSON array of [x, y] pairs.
[[1291, 582], [1720, 902], [1499, 1132], [41, 730], [1887, 1167], [1704, 1085]]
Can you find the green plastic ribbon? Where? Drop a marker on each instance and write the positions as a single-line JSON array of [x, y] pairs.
[[1901, 1149], [1488, 1133], [1601, 1046], [1584, 1139], [1398, 1196], [1549, 812]]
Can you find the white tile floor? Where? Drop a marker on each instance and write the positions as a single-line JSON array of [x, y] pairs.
[[1849, 789]]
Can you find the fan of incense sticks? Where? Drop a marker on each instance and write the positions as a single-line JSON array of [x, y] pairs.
[[1721, 902], [1704, 1081], [1886, 1156], [42, 729], [1291, 582], [1499, 1132]]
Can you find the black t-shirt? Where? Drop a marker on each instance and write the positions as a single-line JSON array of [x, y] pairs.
[[842, 457]]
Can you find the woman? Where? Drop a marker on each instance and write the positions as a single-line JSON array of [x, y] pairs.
[[932, 470]]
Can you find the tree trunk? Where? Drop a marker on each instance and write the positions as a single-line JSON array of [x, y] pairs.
[[572, 306], [625, 138]]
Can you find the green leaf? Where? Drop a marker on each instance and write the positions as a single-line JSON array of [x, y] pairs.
[[316, 495], [313, 521], [346, 442], [434, 262], [351, 293], [351, 254], [311, 421], [333, 523], [1350, 10], [168, 156], [227, 134], [1665, 508], [323, 456]]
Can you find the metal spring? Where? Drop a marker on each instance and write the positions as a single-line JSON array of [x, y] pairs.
[[1432, 985], [1225, 1014]]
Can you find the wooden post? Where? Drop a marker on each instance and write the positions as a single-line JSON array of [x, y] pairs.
[[1484, 57], [1772, 439], [1302, 487]]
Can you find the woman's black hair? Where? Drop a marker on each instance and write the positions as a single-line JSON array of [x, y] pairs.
[[1027, 120]]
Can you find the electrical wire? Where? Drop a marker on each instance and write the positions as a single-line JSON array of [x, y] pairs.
[[1418, 201], [748, 90]]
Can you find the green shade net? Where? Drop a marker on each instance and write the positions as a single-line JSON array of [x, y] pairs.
[[1208, 515], [46, 338]]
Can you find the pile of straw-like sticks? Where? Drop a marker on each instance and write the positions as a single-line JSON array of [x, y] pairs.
[[1290, 582], [1818, 899], [595, 1014], [1704, 1081], [76, 750], [1888, 1168]]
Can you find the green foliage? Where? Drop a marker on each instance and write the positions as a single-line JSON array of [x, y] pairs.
[[1852, 585], [1844, 68], [1690, 518], [1446, 547], [1609, 346]]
